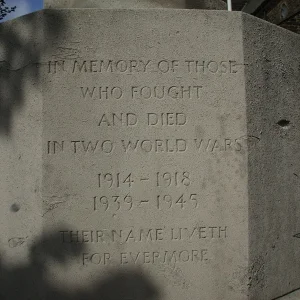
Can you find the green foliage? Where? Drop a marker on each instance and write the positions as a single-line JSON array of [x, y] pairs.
[[5, 10]]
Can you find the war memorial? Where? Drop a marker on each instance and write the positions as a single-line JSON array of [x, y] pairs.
[[148, 152]]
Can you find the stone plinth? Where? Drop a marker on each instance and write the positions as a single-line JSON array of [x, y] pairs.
[[149, 154], [199, 4]]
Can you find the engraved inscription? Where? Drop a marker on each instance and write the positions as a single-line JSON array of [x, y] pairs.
[[164, 257], [166, 119], [173, 179], [114, 180], [146, 110], [157, 145], [214, 145], [171, 146], [101, 92], [204, 66], [115, 119], [111, 66], [147, 257], [54, 146], [214, 67], [144, 235], [105, 146], [166, 92], [162, 179], [127, 202]]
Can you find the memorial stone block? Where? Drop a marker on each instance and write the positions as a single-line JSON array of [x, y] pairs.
[[199, 4], [148, 154]]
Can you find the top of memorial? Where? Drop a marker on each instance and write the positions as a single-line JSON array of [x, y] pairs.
[[120, 4]]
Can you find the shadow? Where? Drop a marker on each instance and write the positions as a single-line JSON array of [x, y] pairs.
[[31, 281], [272, 114], [22, 43]]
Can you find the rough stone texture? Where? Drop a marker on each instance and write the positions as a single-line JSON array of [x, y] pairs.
[[199, 4], [204, 206]]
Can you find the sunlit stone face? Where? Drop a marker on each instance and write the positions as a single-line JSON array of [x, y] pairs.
[[146, 159]]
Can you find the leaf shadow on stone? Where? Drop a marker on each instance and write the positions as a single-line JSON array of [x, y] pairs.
[[30, 281], [22, 43]]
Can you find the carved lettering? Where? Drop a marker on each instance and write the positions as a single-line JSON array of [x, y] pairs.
[[215, 145], [211, 66], [144, 235], [187, 234], [118, 119], [54, 146], [164, 257], [102, 92], [106, 146], [158, 146], [113, 66], [96, 258], [56, 66], [166, 119], [163, 92]]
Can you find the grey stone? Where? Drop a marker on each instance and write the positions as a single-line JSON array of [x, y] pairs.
[[148, 154], [292, 296], [199, 4]]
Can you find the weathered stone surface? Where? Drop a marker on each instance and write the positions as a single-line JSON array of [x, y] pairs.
[[148, 154], [272, 91], [114, 4], [199, 4]]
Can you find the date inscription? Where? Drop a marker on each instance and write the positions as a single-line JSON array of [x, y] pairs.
[[162, 179]]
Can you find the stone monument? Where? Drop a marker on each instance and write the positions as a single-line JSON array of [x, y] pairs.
[[148, 154], [199, 4]]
